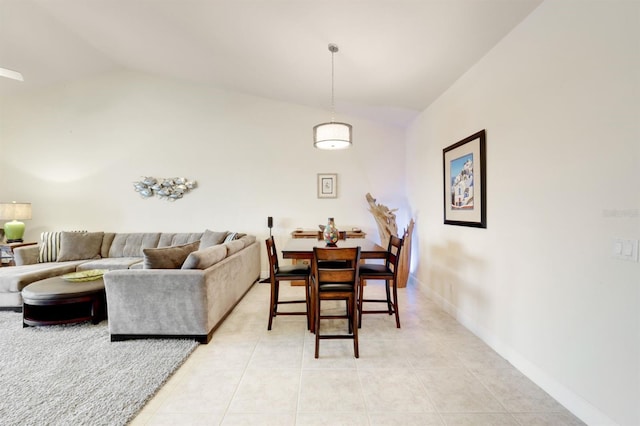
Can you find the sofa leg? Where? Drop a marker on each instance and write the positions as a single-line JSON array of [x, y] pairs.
[[205, 338], [200, 338]]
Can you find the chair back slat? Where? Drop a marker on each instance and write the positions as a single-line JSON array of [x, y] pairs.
[[392, 260], [337, 275], [393, 252], [343, 274], [334, 253], [272, 254]]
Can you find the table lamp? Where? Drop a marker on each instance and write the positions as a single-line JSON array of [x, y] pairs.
[[14, 212]]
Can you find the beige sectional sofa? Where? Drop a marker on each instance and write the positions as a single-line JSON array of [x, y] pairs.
[[157, 284]]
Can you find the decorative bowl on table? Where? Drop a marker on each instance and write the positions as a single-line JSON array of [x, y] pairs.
[[82, 276]]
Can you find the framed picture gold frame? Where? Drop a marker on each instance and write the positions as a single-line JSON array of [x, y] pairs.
[[465, 182]]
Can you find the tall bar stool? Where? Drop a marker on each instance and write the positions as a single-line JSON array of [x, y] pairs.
[[387, 272], [279, 273], [331, 283]]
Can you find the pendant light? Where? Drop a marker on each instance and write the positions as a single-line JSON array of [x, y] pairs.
[[332, 135], [14, 75]]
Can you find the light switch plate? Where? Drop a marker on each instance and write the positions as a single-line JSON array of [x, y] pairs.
[[624, 249]]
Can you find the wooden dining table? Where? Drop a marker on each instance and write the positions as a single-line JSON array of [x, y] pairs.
[[302, 248]]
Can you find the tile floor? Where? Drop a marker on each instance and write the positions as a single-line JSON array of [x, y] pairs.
[[432, 371]]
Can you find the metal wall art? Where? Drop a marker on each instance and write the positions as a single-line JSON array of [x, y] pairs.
[[168, 188]]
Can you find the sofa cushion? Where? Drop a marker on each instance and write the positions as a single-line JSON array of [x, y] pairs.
[[49, 246], [212, 238], [110, 263], [168, 257], [247, 240], [204, 258], [107, 240], [132, 244], [15, 278], [79, 246], [233, 247], [168, 239]]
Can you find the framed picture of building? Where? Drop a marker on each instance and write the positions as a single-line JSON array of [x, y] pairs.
[[465, 182]]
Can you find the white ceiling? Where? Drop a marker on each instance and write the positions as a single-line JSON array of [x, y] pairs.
[[396, 56]]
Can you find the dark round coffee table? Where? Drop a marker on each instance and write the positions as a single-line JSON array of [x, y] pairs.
[[58, 301]]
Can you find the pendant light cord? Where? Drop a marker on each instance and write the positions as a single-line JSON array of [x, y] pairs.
[[333, 48], [333, 107]]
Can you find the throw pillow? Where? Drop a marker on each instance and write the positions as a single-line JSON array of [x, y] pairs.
[[204, 258], [168, 257], [230, 237], [107, 240], [234, 247], [80, 246], [212, 238], [247, 240], [49, 246]]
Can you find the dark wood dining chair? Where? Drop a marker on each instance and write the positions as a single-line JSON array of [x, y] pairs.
[[387, 272], [335, 284], [277, 273]]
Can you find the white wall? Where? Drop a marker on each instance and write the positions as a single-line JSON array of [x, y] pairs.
[[75, 150], [558, 98]]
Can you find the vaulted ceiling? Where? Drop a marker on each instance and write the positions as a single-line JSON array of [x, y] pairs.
[[396, 56]]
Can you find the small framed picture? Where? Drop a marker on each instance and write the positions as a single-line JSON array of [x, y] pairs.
[[327, 185], [465, 182]]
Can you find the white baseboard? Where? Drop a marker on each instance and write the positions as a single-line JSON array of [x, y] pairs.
[[572, 402]]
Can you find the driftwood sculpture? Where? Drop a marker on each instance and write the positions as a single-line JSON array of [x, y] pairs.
[[405, 256], [387, 226], [385, 218]]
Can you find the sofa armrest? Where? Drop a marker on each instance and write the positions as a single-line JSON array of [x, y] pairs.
[[26, 255], [156, 302]]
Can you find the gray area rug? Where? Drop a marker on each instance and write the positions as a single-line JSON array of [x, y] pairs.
[[74, 375]]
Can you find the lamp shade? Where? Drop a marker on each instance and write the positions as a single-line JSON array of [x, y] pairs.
[[14, 230], [15, 211], [333, 135]]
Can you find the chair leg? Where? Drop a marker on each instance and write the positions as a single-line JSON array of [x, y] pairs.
[[360, 297], [354, 325], [317, 322], [272, 312], [312, 307], [306, 287], [349, 314], [395, 304], [388, 290]]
